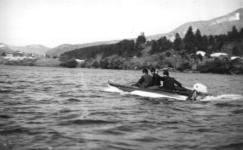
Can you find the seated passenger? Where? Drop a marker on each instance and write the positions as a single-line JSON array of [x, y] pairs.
[[156, 78], [169, 83], [145, 81]]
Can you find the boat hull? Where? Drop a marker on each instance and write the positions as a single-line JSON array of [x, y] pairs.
[[181, 94]]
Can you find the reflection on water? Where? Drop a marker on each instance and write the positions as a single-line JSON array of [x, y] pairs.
[[59, 108]]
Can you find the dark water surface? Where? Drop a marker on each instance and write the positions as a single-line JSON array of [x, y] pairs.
[[59, 108]]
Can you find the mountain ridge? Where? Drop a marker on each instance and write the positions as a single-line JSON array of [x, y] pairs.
[[57, 51], [222, 25], [33, 48], [215, 26]]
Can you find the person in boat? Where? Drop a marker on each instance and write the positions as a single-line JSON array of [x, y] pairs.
[[145, 81], [169, 83], [156, 79]]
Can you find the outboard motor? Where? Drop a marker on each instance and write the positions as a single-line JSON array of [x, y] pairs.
[[200, 88]]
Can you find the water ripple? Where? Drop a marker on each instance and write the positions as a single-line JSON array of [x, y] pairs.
[[87, 122], [60, 108]]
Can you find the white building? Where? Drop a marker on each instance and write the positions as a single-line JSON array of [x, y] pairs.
[[202, 53], [234, 57], [215, 55]]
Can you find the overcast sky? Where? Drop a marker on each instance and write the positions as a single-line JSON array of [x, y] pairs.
[[54, 22]]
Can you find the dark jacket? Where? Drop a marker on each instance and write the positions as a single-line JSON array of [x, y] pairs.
[[170, 83], [156, 80], [144, 81]]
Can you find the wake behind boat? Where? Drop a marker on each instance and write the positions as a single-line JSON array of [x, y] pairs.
[[178, 94]]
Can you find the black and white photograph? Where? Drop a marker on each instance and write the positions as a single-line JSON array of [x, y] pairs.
[[121, 74]]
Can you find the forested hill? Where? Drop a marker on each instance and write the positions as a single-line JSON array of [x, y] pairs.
[[57, 51], [179, 54], [176, 49], [124, 48], [214, 26], [230, 43]]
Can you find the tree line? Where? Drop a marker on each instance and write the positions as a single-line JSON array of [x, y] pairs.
[[190, 43], [193, 42], [124, 48]]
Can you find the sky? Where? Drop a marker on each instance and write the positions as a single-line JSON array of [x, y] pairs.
[[55, 22]]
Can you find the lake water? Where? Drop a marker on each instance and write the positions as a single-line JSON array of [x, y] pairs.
[[61, 108]]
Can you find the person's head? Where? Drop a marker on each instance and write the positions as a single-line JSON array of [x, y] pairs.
[[166, 73], [152, 70], [145, 71]]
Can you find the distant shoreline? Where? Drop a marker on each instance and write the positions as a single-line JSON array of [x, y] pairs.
[[159, 70]]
